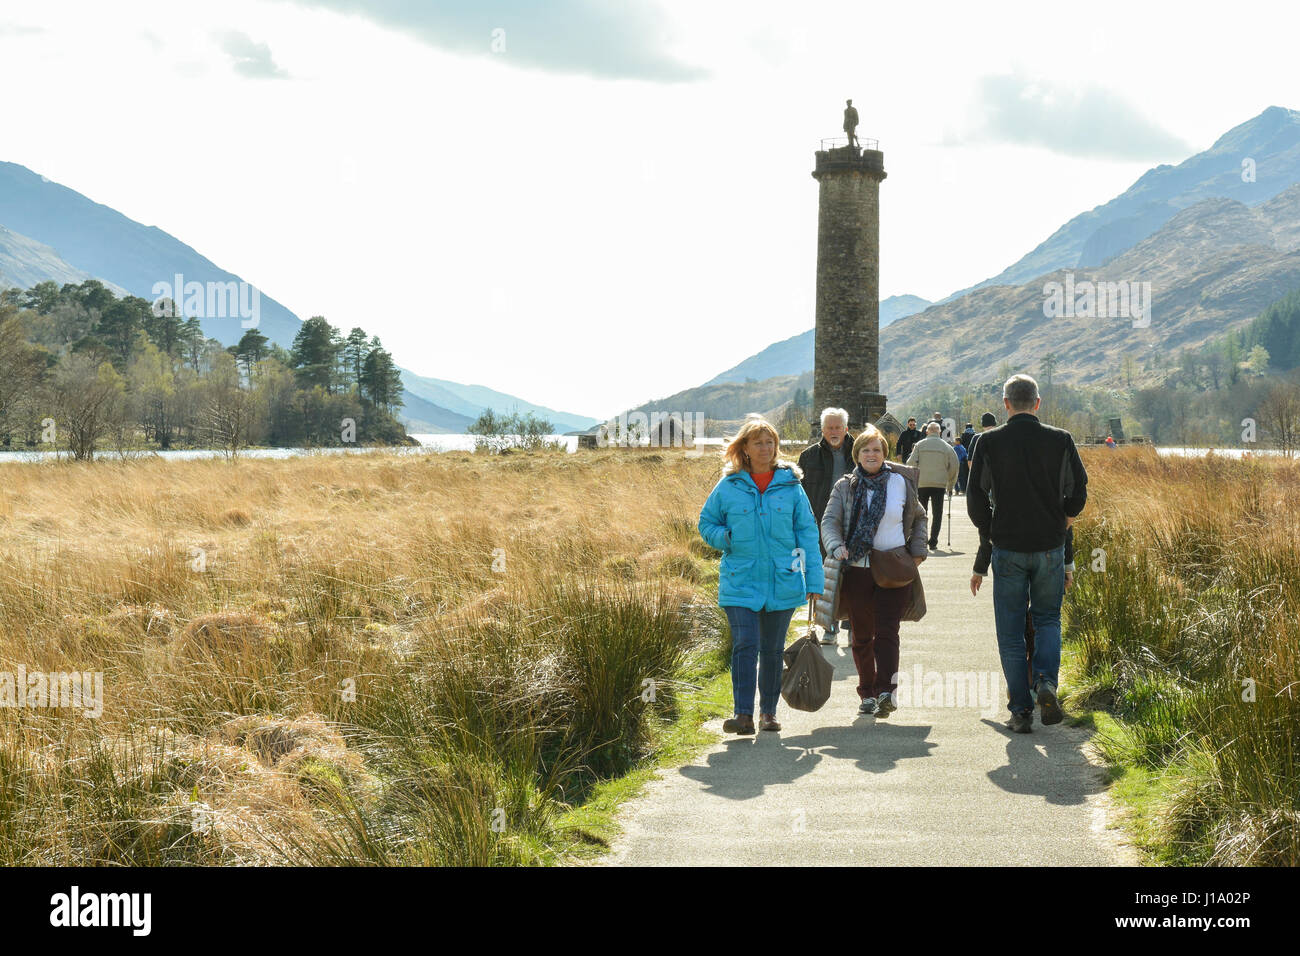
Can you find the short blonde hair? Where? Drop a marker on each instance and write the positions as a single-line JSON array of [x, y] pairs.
[[733, 456], [869, 434]]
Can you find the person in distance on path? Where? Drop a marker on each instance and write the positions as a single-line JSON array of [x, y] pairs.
[[759, 518], [1027, 485], [875, 506], [908, 439], [938, 466], [987, 421]]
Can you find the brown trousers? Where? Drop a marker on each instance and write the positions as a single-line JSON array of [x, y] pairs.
[[874, 613]]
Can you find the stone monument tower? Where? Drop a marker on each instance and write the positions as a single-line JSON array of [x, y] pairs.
[[847, 351]]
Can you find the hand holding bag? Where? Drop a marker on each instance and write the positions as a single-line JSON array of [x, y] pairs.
[[807, 676]]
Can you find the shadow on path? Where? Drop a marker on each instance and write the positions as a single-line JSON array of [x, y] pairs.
[[747, 766], [1035, 761]]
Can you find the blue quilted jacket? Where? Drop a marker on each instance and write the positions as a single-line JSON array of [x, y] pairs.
[[759, 536]]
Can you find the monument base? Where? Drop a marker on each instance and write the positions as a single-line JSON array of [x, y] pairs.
[[872, 407]]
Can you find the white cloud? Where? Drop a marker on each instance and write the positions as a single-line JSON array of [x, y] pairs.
[[1087, 121], [250, 58]]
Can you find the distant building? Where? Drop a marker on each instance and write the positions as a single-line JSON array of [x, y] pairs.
[[891, 426], [669, 432]]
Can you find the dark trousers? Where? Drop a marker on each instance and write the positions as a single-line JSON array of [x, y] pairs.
[[933, 499], [963, 473], [874, 613]]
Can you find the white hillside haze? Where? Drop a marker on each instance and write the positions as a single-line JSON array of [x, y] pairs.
[[24, 262], [471, 400]]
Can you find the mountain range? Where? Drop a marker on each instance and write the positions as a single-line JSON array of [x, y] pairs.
[[1217, 237], [48, 231], [1251, 163]]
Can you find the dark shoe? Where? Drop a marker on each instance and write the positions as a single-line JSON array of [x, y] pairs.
[[934, 545], [1049, 708], [868, 706], [768, 722], [740, 724], [1021, 723], [885, 705]]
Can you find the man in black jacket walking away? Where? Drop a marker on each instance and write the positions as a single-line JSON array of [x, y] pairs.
[[1027, 484], [987, 421], [823, 464]]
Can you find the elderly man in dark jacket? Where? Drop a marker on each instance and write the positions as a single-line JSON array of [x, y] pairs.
[[1027, 484], [824, 464]]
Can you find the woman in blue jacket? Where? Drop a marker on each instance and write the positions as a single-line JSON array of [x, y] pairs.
[[759, 517]]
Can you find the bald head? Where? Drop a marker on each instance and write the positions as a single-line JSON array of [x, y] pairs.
[[932, 428]]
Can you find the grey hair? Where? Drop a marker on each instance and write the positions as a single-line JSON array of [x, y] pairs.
[[839, 413], [1021, 392], [933, 428]]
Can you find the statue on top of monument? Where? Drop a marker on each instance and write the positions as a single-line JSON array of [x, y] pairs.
[[851, 123]]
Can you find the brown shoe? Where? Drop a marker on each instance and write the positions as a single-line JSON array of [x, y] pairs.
[[768, 722], [740, 724]]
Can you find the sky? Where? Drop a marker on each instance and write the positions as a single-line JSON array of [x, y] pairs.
[[591, 205]]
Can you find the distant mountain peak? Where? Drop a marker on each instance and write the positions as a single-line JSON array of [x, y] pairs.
[[1270, 140]]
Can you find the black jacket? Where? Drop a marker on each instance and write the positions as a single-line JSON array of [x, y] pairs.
[[906, 441], [1026, 479], [816, 463]]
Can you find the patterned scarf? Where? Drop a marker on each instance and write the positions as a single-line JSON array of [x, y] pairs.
[[862, 530]]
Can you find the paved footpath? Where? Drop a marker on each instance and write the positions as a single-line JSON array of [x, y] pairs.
[[939, 782]]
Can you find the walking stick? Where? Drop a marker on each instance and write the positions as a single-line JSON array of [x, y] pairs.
[[950, 517]]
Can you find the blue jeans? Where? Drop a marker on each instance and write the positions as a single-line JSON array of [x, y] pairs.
[[757, 637], [1032, 581]]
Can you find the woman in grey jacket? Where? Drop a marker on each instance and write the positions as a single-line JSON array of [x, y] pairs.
[[875, 505]]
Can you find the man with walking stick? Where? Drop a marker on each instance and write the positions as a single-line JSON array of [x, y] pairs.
[[938, 470]]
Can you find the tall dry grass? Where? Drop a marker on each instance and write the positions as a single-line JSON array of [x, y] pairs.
[[1192, 636], [314, 661]]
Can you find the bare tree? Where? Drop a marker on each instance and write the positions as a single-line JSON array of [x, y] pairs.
[[230, 408], [89, 399], [1279, 416]]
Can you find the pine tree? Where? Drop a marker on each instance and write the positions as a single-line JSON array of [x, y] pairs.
[[315, 353], [355, 350]]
